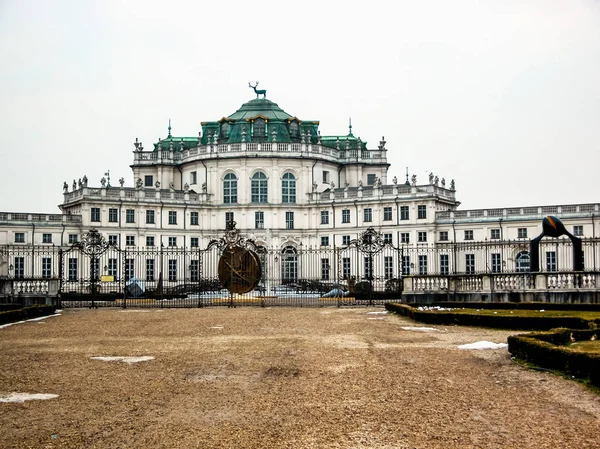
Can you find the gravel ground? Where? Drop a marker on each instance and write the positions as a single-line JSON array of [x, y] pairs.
[[278, 378]]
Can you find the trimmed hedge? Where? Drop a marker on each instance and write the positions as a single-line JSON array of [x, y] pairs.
[[493, 321], [10, 306], [515, 306], [25, 313], [549, 350]]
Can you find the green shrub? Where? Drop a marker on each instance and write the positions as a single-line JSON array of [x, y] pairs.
[[550, 350], [25, 313]]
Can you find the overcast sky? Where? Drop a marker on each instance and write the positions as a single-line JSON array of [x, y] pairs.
[[503, 96]]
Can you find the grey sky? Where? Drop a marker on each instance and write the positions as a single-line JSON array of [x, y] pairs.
[[502, 96]]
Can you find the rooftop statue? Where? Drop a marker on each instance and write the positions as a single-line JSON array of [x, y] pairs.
[[258, 92]]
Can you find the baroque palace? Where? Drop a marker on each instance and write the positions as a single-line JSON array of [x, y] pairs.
[[289, 188]]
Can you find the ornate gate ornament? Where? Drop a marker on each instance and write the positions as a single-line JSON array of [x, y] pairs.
[[239, 267], [370, 242], [93, 244]]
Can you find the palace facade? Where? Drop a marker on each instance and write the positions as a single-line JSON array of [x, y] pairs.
[[286, 187]]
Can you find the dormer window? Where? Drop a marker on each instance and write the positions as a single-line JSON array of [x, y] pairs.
[[294, 129], [224, 129], [258, 129]]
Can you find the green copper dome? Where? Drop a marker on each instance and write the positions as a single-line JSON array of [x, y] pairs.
[[260, 107]]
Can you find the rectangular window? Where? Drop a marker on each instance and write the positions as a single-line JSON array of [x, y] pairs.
[[130, 240], [496, 263], [345, 240], [404, 237], [324, 217], [194, 242], [73, 269], [346, 267], [578, 230], [46, 238], [194, 270], [522, 233], [113, 215], [259, 220], [422, 236], [387, 238], [468, 235], [423, 264], [148, 180], [95, 214], [550, 260], [130, 216], [150, 269], [194, 218], [325, 241], [443, 236], [172, 241], [367, 215], [228, 219], [444, 264], [149, 217], [345, 215], [73, 238], [172, 217], [388, 267], [19, 237], [113, 240], [325, 177], [405, 265], [112, 267], [193, 178], [470, 263], [19, 267], [172, 269], [421, 211], [325, 269], [387, 214], [495, 234], [371, 177], [289, 220], [404, 215], [46, 267], [149, 240], [129, 272], [368, 264]]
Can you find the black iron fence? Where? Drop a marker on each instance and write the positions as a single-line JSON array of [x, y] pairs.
[[368, 269]]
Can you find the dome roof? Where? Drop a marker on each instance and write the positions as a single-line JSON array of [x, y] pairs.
[[260, 106]]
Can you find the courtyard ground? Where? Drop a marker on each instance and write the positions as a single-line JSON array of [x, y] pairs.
[[278, 378]]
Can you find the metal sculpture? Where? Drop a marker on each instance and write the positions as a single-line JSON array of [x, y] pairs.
[[239, 269], [553, 227], [258, 92]]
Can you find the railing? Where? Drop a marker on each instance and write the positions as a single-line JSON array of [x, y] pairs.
[[173, 155], [11, 216], [538, 211]]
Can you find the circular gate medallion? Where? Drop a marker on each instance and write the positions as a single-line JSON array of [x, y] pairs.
[[239, 269]]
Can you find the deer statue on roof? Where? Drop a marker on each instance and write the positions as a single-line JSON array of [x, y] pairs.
[[258, 92]]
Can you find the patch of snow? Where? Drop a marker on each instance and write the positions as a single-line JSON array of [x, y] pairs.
[[216, 327], [420, 329], [542, 310], [435, 308], [383, 312], [483, 345], [22, 397], [144, 358], [376, 318]]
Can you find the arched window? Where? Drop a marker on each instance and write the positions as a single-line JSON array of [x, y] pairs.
[[288, 188], [229, 189], [523, 261], [289, 265], [259, 128], [259, 188], [224, 129]]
